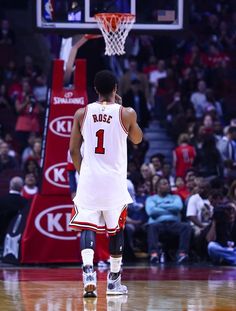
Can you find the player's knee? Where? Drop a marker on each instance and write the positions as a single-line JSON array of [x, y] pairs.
[[87, 239], [116, 244]]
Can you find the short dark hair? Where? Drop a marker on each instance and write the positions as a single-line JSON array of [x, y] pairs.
[[105, 82]]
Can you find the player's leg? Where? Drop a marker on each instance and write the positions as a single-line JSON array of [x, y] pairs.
[[116, 245], [115, 221], [87, 246]]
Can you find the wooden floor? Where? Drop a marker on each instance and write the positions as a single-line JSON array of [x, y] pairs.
[[191, 288]]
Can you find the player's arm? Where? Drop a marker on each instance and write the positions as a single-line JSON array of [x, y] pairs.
[[129, 117], [76, 139]]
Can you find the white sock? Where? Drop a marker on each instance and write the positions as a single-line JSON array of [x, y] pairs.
[[87, 256], [115, 263]]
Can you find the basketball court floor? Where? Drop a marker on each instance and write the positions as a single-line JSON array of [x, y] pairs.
[[59, 288]]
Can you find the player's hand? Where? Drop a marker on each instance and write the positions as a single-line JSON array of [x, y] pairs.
[[118, 99]]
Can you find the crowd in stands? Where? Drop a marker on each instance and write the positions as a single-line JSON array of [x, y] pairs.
[[184, 210]]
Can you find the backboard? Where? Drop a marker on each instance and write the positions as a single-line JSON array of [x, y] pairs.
[[77, 16]]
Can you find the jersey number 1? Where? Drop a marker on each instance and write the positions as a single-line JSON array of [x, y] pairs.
[[100, 136]]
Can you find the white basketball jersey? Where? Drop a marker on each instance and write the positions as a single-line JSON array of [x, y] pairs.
[[103, 173]]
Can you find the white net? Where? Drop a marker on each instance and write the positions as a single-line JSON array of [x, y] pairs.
[[115, 28]]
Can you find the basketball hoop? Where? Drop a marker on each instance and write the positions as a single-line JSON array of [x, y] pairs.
[[115, 28]]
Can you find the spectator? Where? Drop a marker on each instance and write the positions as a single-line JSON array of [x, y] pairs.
[[4, 100], [28, 151], [208, 161], [136, 218], [31, 166], [199, 209], [166, 173], [28, 110], [227, 149], [136, 153], [157, 161], [40, 89], [198, 99], [10, 204], [6, 161], [164, 210], [155, 76], [208, 124], [199, 212], [30, 187], [29, 69], [181, 189], [183, 156], [222, 235], [212, 105], [218, 132], [232, 192], [36, 151], [7, 35], [132, 74], [135, 98], [147, 172]]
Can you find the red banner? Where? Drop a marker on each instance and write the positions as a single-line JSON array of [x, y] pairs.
[[62, 106], [47, 237]]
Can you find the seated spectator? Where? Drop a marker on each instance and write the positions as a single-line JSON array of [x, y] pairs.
[[30, 187], [208, 124], [4, 100], [232, 193], [31, 166], [198, 99], [28, 111], [199, 212], [183, 156], [208, 162], [164, 211], [227, 149], [131, 74], [218, 131], [40, 89], [222, 235], [36, 151], [157, 161], [10, 204], [181, 189], [136, 218], [7, 35], [137, 153], [212, 105], [166, 173], [27, 152], [135, 98], [6, 161]]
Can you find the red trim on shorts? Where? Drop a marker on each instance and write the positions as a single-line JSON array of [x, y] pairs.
[[87, 226], [84, 116], [121, 222], [121, 121]]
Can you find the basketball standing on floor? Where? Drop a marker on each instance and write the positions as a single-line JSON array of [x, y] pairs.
[[102, 196]]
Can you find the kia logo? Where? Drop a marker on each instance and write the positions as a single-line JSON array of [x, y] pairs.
[[68, 95], [62, 126], [57, 175], [53, 222]]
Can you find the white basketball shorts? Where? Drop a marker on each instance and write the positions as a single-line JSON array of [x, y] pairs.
[[109, 221]]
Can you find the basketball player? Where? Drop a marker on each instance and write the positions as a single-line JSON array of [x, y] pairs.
[[102, 197]]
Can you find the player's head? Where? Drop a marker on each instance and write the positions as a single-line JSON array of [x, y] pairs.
[[105, 83]]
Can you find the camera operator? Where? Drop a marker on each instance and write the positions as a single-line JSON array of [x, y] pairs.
[[28, 115], [222, 235]]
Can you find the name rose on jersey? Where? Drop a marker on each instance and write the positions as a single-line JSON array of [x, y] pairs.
[[102, 118]]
